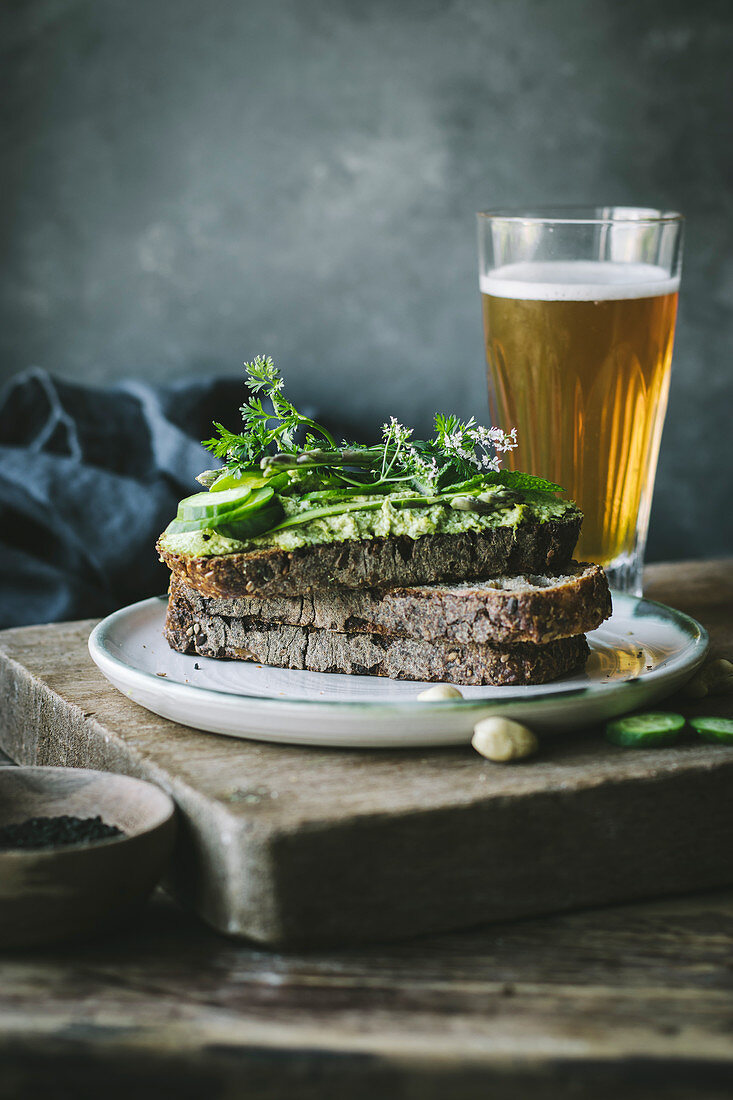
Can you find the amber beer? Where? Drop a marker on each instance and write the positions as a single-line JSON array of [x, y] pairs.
[[579, 358]]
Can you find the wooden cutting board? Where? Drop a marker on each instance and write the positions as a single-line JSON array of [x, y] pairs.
[[308, 846]]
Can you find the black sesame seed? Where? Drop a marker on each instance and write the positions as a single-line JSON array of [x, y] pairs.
[[55, 832]]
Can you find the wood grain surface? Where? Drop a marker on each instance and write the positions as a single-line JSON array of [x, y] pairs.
[[634, 1001], [313, 846], [631, 1003]]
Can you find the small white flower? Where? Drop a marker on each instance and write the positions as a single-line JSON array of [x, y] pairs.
[[398, 432], [488, 439]]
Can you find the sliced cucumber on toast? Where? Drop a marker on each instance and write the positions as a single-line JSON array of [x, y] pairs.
[[238, 513]]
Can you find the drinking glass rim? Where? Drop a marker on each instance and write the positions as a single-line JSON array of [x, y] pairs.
[[581, 215]]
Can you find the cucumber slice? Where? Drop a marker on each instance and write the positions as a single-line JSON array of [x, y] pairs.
[[253, 502], [250, 479], [206, 523], [208, 505], [184, 526], [645, 730], [247, 524], [719, 730]]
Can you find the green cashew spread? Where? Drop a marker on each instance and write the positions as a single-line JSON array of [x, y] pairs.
[[381, 522]]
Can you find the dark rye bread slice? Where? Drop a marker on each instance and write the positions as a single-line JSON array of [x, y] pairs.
[[316, 650], [531, 547], [501, 610]]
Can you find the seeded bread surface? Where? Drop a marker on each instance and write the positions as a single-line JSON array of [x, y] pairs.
[[383, 562], [364, 654]]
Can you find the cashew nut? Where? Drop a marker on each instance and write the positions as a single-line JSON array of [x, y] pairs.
[[440, 691], [714, 678], [501, 740]]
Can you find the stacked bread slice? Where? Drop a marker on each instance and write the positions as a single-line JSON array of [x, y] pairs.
[[524, 628]]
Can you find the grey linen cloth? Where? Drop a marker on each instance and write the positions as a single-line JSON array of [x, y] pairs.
[[88, 480]]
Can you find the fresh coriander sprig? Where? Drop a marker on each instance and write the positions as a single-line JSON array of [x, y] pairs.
[[462, 455], [459, 450], [264, 429]]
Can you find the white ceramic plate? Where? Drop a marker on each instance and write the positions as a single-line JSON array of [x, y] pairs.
[[644, 652]]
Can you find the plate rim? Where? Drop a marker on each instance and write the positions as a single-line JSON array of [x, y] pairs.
[[694, 630]]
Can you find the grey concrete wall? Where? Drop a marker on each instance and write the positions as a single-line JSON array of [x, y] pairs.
[[189, 183]]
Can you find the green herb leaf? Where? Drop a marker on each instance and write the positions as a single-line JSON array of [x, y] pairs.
[[461, 453], [266, 430], [515, 479]]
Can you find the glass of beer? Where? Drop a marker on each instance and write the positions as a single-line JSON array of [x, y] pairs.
[[579, 310]]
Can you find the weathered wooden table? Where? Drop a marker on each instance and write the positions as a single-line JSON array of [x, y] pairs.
[[633, 1001]]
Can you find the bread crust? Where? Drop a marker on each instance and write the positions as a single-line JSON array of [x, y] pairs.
[[503, 610], [318, 650], [382, 562]]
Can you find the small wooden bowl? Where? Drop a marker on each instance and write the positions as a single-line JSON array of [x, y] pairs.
[[53, 894]]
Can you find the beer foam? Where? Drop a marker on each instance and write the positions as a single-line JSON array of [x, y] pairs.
[[578, 281]]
